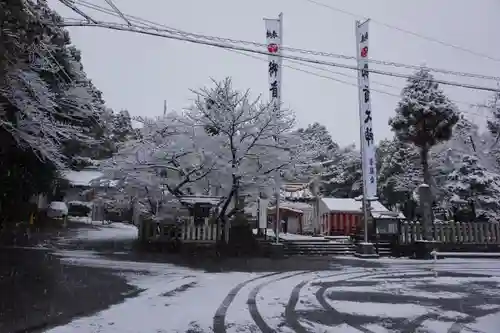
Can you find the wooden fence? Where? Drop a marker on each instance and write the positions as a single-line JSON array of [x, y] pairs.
[[205, 232], [480, 233], [187, 231]]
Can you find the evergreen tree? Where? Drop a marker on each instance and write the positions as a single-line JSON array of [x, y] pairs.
[[342, 178], [493, 125], [424, 117], [472, 181], [49, 111], [399, 173], [319, 140]]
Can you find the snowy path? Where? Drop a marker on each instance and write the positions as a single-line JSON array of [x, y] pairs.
[[404, 296]]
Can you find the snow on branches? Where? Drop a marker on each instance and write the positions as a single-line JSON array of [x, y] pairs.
[[35, 124], [424, 116], [225, 145], [249, 140]]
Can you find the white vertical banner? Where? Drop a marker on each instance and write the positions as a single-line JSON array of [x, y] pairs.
[[273, 36], [365, 114]]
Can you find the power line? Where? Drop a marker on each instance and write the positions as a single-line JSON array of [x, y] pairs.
[[147, 31], [70, 5], [372, 81], [409, 32], [151, 24], [148, 23], [155, 26], [112, 5], [347, 82]]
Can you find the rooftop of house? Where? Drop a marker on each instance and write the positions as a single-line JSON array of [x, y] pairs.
[[298, 207], [296, 191], [86, 178], [351, 205], [194, 199]]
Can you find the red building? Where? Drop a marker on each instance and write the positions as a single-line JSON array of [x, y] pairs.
[[344, 216]]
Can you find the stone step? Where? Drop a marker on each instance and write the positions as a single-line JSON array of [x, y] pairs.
[[319, 253]]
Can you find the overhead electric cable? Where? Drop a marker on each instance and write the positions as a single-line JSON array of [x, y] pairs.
[[409, 32], [153, 32], [156, 26]]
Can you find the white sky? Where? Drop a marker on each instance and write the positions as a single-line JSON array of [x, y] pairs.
[[137, 72]]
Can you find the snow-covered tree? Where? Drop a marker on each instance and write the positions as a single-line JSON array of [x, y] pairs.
[[122, 127], [493, 123], [399, 173], [250, 141], [472, 181], [342, 176], [317, 139], [167, 158], [46, 101], [424, 116]]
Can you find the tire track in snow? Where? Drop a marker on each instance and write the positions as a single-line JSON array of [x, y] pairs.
[[219, 324], [290, 314], [252, 303], [347, 318]]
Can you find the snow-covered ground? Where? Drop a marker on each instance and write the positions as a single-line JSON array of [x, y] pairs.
[[99, 231], [402, 296], [296, 237]]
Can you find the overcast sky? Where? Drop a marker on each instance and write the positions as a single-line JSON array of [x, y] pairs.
[[138, 72]]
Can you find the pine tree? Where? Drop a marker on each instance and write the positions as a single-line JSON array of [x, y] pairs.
[[424, 116]]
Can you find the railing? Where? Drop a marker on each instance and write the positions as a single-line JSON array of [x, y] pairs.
[[482, 233], [205, 232]]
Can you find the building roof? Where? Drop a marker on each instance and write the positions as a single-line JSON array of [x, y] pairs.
[[83, 178], [194, 199], [298, 207], [299, 191], [350, 205]]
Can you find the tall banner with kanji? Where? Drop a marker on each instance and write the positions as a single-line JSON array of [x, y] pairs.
[[273, 36], [274, 31], [365, 113]]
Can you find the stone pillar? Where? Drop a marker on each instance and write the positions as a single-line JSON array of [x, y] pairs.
[[425, 196]]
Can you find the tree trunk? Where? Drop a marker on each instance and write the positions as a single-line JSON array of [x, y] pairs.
[[425, 194], [424, 159]]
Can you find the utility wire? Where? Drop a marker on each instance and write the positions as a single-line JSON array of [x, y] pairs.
[[70, 5], [153, 32], [347, 82], [156, 26], [151, 24], [371, 81], [409, 32], [112, 5]]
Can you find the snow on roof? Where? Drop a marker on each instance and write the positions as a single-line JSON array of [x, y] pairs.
[[82, 178], [298, 207], [295, 205], [273, 208], [296, 191], [200, 199], [350, 205]]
